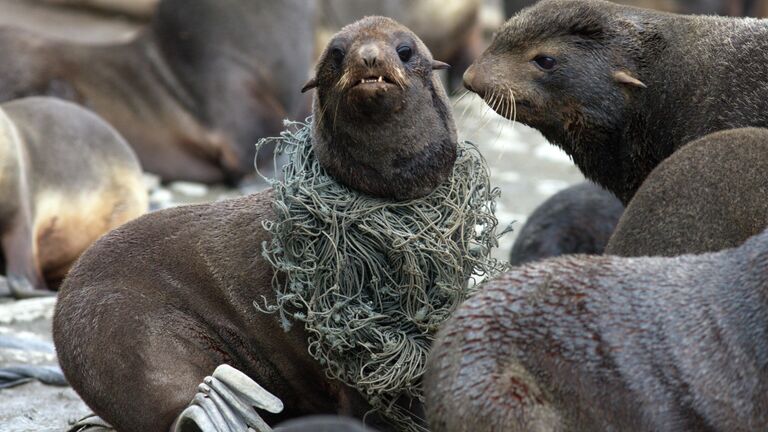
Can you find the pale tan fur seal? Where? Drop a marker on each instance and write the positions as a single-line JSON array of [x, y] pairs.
[[66, 178]]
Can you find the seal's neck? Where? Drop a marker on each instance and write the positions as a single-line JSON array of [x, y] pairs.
[[403, 156]]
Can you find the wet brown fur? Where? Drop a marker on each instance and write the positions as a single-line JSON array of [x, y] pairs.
[[396, 140], [585, 343]]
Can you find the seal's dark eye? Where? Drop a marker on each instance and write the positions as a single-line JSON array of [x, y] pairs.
[[545, 63], [338, 55], [405, 52]]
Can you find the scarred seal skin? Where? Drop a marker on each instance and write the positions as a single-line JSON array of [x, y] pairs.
[[192, 93], [66, 178], [587, 343], [621, 88], [171, 294]]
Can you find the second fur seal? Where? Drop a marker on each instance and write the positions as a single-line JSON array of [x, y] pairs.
[[180, 283], [621, 88]]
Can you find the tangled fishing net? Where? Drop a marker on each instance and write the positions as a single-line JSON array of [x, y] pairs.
[[371, 279]]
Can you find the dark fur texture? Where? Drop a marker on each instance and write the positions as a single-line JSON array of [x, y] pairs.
[[576, 220], [158, 304], [191, 94], [710, 195], [394, 139], [703, 74], [605, 343]]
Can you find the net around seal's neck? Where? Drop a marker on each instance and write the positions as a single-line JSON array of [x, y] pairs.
[[371, 279]]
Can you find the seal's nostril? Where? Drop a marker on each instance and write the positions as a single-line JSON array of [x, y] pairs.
[[370, 61], [369, 54]]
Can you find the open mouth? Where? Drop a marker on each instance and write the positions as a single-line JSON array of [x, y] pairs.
[[373, 80]]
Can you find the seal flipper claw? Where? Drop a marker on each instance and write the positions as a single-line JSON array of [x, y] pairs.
[[225, 402]]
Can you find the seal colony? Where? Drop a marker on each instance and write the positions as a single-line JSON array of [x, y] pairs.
[[192, 93], [194, 272], [66, 178], [621, 88]]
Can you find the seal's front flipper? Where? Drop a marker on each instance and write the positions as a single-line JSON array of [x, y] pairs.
[[226, 401], [25, 279]]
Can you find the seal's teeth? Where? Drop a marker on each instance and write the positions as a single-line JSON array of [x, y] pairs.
[[362, 81], [380, 79]]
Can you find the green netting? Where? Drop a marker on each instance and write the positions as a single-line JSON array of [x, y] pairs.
[[371, 279]]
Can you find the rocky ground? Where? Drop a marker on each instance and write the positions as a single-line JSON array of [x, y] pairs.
[[523, 165]]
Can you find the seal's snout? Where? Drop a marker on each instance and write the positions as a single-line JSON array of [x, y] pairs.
[[471, 80], [369, 53]]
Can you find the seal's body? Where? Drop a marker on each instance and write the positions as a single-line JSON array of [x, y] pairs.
[[577, 220], [709, 195], [192, 93], [67, 178], [194, 272], [621, 88], [583, 343]]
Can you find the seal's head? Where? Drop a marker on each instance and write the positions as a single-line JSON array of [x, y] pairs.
[[382, 123], [568, 68]]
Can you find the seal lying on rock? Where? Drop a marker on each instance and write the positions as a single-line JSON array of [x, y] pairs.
[[584, 343], [621, 88], [172, 294], [577, 220], [66, 178], [709, 195], [192, 93]]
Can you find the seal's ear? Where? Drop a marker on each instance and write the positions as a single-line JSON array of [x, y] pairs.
[[438, 65], [309, 85], [624, 77]]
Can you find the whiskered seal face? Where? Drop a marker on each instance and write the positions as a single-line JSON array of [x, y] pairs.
[[563, 67], [372, 68], [382, 122]]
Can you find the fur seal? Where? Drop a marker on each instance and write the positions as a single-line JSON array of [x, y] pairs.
[[582, 343], [67, 178], [621, 88], [577, 220], [709, 195], [698, 7], [194, 271], [192, 93]]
